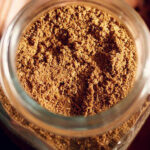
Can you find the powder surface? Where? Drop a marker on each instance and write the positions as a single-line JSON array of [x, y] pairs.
[[76, 60], [106, 141]]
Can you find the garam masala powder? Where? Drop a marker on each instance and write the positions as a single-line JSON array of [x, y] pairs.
[[76, 60]]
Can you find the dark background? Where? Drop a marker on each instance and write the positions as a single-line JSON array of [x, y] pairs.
[[142, 142]]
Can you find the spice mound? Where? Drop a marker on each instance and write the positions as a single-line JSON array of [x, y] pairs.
[[76, 60]]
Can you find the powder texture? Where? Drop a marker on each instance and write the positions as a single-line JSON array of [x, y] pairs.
[[76, 60], [106, 141]]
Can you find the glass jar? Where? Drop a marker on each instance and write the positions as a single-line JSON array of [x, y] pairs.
[[135, 105]]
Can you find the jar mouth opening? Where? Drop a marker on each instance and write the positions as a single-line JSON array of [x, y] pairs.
[[98, 123]]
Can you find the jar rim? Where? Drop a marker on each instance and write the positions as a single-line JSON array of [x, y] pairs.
[[78, 125]]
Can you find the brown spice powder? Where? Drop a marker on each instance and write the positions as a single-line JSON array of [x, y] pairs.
[[102, 55], [76, 60], [106, 141]]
